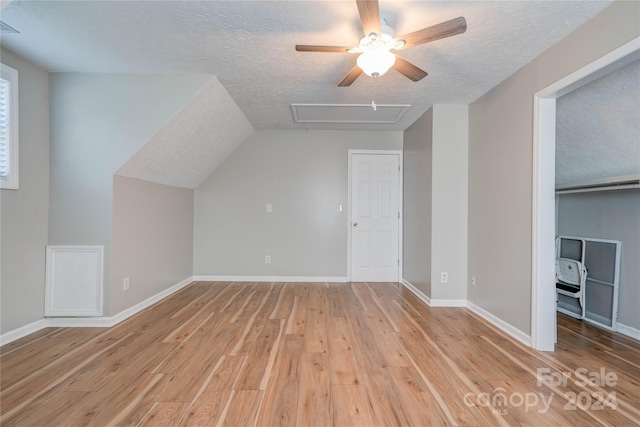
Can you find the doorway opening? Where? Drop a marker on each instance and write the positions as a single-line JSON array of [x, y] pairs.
[[543, 299]]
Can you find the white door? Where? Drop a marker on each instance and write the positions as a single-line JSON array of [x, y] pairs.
[[375, 217]]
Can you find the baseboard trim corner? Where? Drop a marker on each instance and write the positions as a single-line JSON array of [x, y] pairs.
[[407, 284], [493, 320], [432, 302], [90, 322], [128, 312]]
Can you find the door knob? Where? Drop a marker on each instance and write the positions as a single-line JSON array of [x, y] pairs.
[[355, 224]]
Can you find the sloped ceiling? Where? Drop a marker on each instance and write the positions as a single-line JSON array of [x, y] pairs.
[[194, 142], [249, 45], [598, 128]]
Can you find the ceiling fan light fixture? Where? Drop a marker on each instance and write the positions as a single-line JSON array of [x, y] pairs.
[[376, 63], [378, 40]]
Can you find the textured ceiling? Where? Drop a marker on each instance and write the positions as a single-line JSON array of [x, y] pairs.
[[598, 128], [194, 142], [249, 46]]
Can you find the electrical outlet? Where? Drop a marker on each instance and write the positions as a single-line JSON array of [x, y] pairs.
[[269, 207], [473, 281], [267, 259], [444, 277], [125, 284]]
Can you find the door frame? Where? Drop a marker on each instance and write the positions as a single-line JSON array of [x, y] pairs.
[[543, 290], [398, 153]]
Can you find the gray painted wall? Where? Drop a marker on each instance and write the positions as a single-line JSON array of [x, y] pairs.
[[435, 200], [610, 215], [501, 159], [417, 181], [304, 176], [98, 121], [24, 211], [152, 239], [449, 201]]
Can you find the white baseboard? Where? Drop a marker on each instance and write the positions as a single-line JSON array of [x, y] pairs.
[[500, 324], [124, 314], [495, 321], [25, 330], [22, 331], [448, 302], [431, 302], [416, 292], [315, 279], [629, 331], [90, 322], [79, 322]]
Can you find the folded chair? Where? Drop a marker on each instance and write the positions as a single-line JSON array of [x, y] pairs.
[[571, 276]]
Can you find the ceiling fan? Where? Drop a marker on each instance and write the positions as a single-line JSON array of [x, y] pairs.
[[375, 46]]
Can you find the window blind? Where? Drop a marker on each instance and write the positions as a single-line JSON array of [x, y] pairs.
[[5, 128]]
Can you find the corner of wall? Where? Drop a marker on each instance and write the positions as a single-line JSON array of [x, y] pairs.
[[24, 212], [152, 241]]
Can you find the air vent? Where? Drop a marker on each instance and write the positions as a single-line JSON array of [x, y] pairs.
[[348, 113]]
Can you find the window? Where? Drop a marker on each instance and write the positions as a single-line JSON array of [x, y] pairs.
[[8, 128]]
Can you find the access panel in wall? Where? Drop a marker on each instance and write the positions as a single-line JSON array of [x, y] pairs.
[[74, 281]]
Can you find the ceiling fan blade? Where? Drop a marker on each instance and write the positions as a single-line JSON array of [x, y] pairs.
[[370, 16], [350, 77], [435, 32], [409, 70], [312, 48]]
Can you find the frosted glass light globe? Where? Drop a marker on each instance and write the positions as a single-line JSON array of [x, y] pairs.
[[376, 63]]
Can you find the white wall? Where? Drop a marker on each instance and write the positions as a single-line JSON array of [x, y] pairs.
[[304, 176], [24, 211], [152, 239], [501, 159], [610, 215], [417, 180], [98, 121], [449, 201]]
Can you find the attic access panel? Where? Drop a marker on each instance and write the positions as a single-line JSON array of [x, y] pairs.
[[348, 113]]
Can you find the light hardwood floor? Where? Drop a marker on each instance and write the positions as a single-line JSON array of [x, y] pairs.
[[264, 354]]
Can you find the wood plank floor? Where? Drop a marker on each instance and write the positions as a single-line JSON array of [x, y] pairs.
[[275, 354]]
